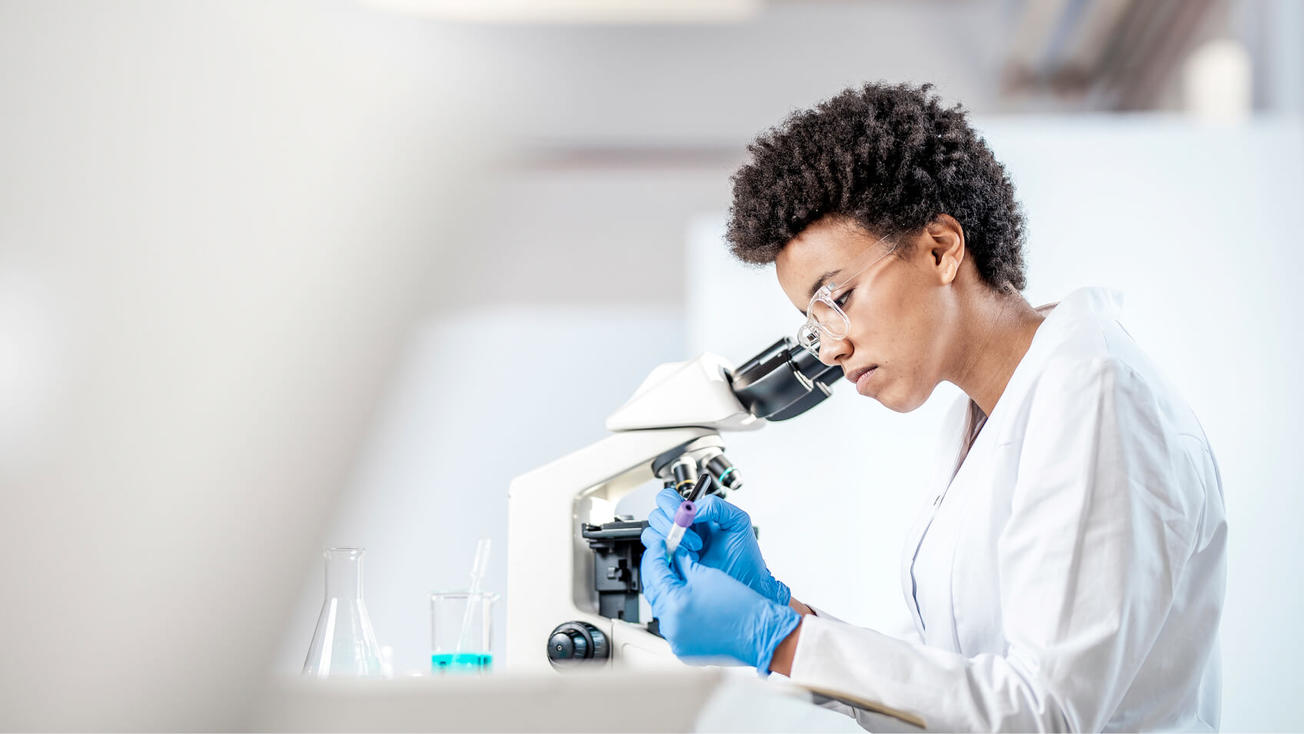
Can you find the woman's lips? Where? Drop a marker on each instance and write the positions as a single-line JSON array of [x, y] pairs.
[[859, 376], [864, 379]]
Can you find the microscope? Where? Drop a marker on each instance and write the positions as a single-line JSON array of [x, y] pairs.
[[573, 586]]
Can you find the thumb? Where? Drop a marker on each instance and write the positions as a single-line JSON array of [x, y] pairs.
[[729, 517], [685, 562], [654, 568]]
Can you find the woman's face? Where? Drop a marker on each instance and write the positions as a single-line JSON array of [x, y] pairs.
[[899, 307]]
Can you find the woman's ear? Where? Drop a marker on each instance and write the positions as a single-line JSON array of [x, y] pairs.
[[946, 247]]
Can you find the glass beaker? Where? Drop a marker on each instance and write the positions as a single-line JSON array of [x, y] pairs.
[[461, 631], [344, 643]]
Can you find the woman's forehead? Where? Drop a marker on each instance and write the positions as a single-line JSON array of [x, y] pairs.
[[826, 246]]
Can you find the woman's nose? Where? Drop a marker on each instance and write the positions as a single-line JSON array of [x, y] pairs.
[[832, 350]]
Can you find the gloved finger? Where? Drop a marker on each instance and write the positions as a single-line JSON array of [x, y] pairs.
[[729, 517], [668, 500], [650, 535], [705, 530], [685, 563], [691, 540], [655, 570]]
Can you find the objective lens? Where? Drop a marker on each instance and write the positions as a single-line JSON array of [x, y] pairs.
[[723, 471], [685, 474]]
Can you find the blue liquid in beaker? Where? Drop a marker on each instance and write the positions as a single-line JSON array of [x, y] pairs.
[[461, 662]]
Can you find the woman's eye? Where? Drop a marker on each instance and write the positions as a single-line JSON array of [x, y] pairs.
[[842, 299]]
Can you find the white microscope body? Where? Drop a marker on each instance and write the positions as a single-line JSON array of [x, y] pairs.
[[561, 522]]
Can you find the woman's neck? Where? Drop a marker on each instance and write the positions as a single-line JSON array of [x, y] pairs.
[[1000, 329]]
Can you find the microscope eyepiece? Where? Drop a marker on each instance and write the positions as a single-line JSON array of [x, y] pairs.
[[783, 381]]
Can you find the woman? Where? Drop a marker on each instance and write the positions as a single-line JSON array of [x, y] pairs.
[[1068, 571]]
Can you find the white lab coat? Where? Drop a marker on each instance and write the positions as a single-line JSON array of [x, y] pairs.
[[1068, 573]]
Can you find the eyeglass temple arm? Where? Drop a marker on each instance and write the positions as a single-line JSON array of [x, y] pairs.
[[783, 381]]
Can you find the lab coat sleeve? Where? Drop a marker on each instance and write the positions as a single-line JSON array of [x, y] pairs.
[[867, 719], [829, 703], [902, 629], [823, 614], [1089, 560]]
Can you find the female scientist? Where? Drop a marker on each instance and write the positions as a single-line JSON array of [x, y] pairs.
[[1067, 571]]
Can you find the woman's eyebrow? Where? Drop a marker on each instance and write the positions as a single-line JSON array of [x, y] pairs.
[[822, 280]]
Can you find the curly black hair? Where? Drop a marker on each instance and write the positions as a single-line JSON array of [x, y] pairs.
[[890, 158]]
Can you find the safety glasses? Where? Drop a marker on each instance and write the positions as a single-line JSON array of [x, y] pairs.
[[825, 319]]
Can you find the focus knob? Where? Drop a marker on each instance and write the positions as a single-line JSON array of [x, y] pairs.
[[573, 643]]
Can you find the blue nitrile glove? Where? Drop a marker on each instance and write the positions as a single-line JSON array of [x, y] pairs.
[[722, 538], [706, 614]]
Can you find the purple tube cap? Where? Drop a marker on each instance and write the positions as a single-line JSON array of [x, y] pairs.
[[685, 514]]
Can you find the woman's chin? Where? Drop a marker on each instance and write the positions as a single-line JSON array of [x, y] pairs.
[[896, 401]]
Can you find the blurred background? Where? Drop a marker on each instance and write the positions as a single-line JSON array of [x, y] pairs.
[[279, 276]]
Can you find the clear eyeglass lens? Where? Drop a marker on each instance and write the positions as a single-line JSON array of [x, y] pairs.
[[830, 319], [824, 320], [809, 337]]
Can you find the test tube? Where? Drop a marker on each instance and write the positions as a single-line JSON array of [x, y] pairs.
[[683, 518]]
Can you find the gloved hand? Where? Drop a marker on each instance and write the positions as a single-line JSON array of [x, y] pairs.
[[721, 536], [706, 614]]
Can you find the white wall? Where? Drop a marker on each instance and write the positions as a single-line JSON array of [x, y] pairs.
[[217, 223], [1197, 227], [674, 84]]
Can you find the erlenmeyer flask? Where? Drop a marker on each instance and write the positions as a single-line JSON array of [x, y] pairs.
[[344, 643]]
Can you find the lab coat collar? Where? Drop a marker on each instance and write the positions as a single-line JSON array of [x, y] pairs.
[[1103, 302], [1082, 305], [1090, 304]]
